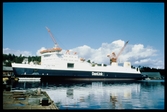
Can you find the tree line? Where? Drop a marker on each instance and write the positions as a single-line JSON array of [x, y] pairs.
[[10, 58]]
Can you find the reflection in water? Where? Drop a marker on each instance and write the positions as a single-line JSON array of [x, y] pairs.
[[26, 85], [70, 93], [102, 95], [113, 99]]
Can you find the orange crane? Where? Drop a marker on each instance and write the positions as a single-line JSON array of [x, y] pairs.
[[57, 48], [52, 36], [113, 57]]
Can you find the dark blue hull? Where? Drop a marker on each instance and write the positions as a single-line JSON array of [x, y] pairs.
[[74, 75]]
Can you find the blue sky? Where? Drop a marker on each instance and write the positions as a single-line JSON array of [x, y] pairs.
[[86, 25]]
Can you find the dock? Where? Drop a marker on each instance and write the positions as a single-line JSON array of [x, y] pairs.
[[29, 100]]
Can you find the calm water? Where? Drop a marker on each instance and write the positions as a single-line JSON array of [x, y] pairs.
[[102, 95]]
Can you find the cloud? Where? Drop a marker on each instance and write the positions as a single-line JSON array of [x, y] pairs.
[[137, 54], [152, 63], [16, 52]]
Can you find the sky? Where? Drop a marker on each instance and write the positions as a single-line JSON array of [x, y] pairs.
[[92, 29]]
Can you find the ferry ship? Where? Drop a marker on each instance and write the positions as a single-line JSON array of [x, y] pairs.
[[68, 66]]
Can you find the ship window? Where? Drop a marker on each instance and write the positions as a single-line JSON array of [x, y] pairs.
[[46, 55], [70, 65]]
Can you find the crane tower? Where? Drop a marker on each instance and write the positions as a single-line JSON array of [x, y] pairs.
[[113, 57]]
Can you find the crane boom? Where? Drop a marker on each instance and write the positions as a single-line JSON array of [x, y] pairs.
[[55, 48], [122, 49], [52, 36]]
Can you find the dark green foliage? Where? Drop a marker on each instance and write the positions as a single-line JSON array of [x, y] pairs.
[[88, 61], [10, 58], [148, 69]]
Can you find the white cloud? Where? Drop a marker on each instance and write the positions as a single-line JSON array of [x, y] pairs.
[[118, 43], [16, 52], [137, 54], [152, 63]]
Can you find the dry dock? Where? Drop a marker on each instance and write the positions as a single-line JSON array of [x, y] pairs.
[[28, 100]]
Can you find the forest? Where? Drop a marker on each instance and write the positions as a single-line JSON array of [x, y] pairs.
[[10, 58]]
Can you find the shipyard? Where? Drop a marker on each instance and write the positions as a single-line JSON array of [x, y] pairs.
[[66, 67], [83, 56]]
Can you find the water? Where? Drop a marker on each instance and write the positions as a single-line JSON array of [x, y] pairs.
[[102, 95]]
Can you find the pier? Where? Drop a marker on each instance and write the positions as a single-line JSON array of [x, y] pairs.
[[25, 99], [29, 100]]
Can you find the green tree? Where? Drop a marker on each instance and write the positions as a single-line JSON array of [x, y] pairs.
[[88, 61]]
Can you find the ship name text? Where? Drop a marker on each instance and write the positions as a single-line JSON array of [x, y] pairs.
[[97, 73]]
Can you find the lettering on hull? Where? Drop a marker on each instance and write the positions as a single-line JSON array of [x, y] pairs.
[[97, 74]]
